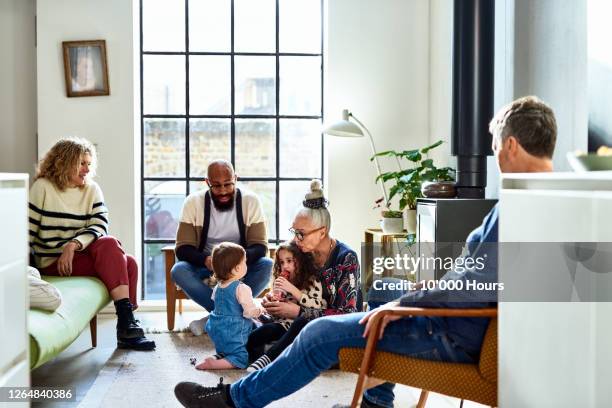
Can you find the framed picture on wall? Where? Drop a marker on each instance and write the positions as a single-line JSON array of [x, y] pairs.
[[85, 68]]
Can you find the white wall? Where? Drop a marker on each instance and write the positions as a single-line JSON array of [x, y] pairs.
[[441, 79], [377, 65], [550, 61], [17, 86], [108, 121]]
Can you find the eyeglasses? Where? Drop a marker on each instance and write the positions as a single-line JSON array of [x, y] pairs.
[[300, 235], [220, 187]]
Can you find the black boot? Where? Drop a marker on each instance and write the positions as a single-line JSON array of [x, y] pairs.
[[127, 326], [129, 334]]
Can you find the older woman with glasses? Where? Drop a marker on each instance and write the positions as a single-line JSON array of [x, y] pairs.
[[338, 271]]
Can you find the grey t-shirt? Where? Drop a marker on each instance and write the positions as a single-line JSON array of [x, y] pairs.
[[223, 227]]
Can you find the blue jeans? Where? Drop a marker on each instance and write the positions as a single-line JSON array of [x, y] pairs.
[[189, 278], [317, 346]]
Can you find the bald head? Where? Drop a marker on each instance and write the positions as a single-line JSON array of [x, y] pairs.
[[220, 170], [221, 181]]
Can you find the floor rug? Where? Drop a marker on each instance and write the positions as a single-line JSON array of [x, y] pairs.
[[147, 379]]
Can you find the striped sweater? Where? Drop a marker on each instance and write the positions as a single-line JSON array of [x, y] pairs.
[[56, 217]]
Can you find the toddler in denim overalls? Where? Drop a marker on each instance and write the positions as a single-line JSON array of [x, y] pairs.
[[230, 324]]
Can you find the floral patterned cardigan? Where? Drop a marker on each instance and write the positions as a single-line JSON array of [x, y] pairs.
[[340, 280]]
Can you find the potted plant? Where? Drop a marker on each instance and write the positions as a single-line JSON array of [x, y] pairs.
[[392, 222], [408, 181]]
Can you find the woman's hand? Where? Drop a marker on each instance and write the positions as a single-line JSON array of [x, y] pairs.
[[64, 263], [282, 309], [284, 284], [367, 319]]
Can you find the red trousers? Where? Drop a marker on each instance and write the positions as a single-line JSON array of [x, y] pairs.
[[105, 259]]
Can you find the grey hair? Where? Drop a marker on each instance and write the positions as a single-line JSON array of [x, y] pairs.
[[531, 121], [320, 217], [314, 206]]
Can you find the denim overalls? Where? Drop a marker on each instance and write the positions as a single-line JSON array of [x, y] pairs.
[[227, 328]]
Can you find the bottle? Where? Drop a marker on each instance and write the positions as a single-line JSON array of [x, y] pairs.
[[279, 293]]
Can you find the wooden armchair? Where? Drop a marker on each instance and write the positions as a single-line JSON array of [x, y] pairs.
[[475, 382], [174, 293]]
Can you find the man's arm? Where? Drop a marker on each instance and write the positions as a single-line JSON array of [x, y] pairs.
[[189, 253], [187, 236]]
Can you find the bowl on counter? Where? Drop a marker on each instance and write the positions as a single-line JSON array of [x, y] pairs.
[[589, 162]]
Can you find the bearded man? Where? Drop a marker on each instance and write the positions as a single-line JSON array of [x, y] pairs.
[[223, 213]]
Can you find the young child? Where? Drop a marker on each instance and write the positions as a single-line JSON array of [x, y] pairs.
[[295, 281], [230, 324]]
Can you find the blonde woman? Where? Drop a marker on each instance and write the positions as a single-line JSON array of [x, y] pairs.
[[69, 232]]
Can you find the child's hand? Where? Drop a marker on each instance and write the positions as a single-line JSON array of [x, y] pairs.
[[284, 284]]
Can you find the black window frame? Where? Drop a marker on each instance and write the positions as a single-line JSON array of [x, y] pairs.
[[232, 117]]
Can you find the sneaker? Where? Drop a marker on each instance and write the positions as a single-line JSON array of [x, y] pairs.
[[258, 364], [197, 326], [193, 395]]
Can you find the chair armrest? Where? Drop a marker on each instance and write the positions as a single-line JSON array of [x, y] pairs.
[[376, 322], [405, 311]]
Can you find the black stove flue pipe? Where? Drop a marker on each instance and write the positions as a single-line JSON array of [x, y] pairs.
[[473, 64]]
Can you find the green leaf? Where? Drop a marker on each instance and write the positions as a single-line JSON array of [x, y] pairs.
[[413, 155], [408, 178], [385, 153], [428, 163], [403, 203], [394, 190], [426, 150]]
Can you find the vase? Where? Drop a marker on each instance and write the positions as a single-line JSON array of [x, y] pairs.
[[392, 225], [410, 220]]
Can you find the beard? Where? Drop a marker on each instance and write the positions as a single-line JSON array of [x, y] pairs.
[[223, 206]]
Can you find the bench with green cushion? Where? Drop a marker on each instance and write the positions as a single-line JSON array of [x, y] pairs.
[[52, 332]]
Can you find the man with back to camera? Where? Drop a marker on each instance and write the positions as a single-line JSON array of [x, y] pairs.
[[224, 213], [524, 135]]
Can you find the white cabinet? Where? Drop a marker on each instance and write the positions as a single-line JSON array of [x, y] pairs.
[[14, 345], [555, 354]]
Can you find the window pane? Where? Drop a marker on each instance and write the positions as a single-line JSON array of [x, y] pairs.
[[209, 139], [300, 148], [300, 86], [197, 186], [155, 272], [164, 84], [300, 26], [163, 201], [255, 25], [255, 85], [209, 28], [266, 191], [209, 85], [291, 196], [163, 25], [256, 147], [164, 148]]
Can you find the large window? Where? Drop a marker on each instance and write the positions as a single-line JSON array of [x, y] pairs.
[[240, 80]]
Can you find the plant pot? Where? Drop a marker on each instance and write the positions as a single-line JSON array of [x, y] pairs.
[[410, 220], [392, 225]]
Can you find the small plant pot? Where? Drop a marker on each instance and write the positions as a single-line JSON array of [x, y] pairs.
[[392, 225]]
